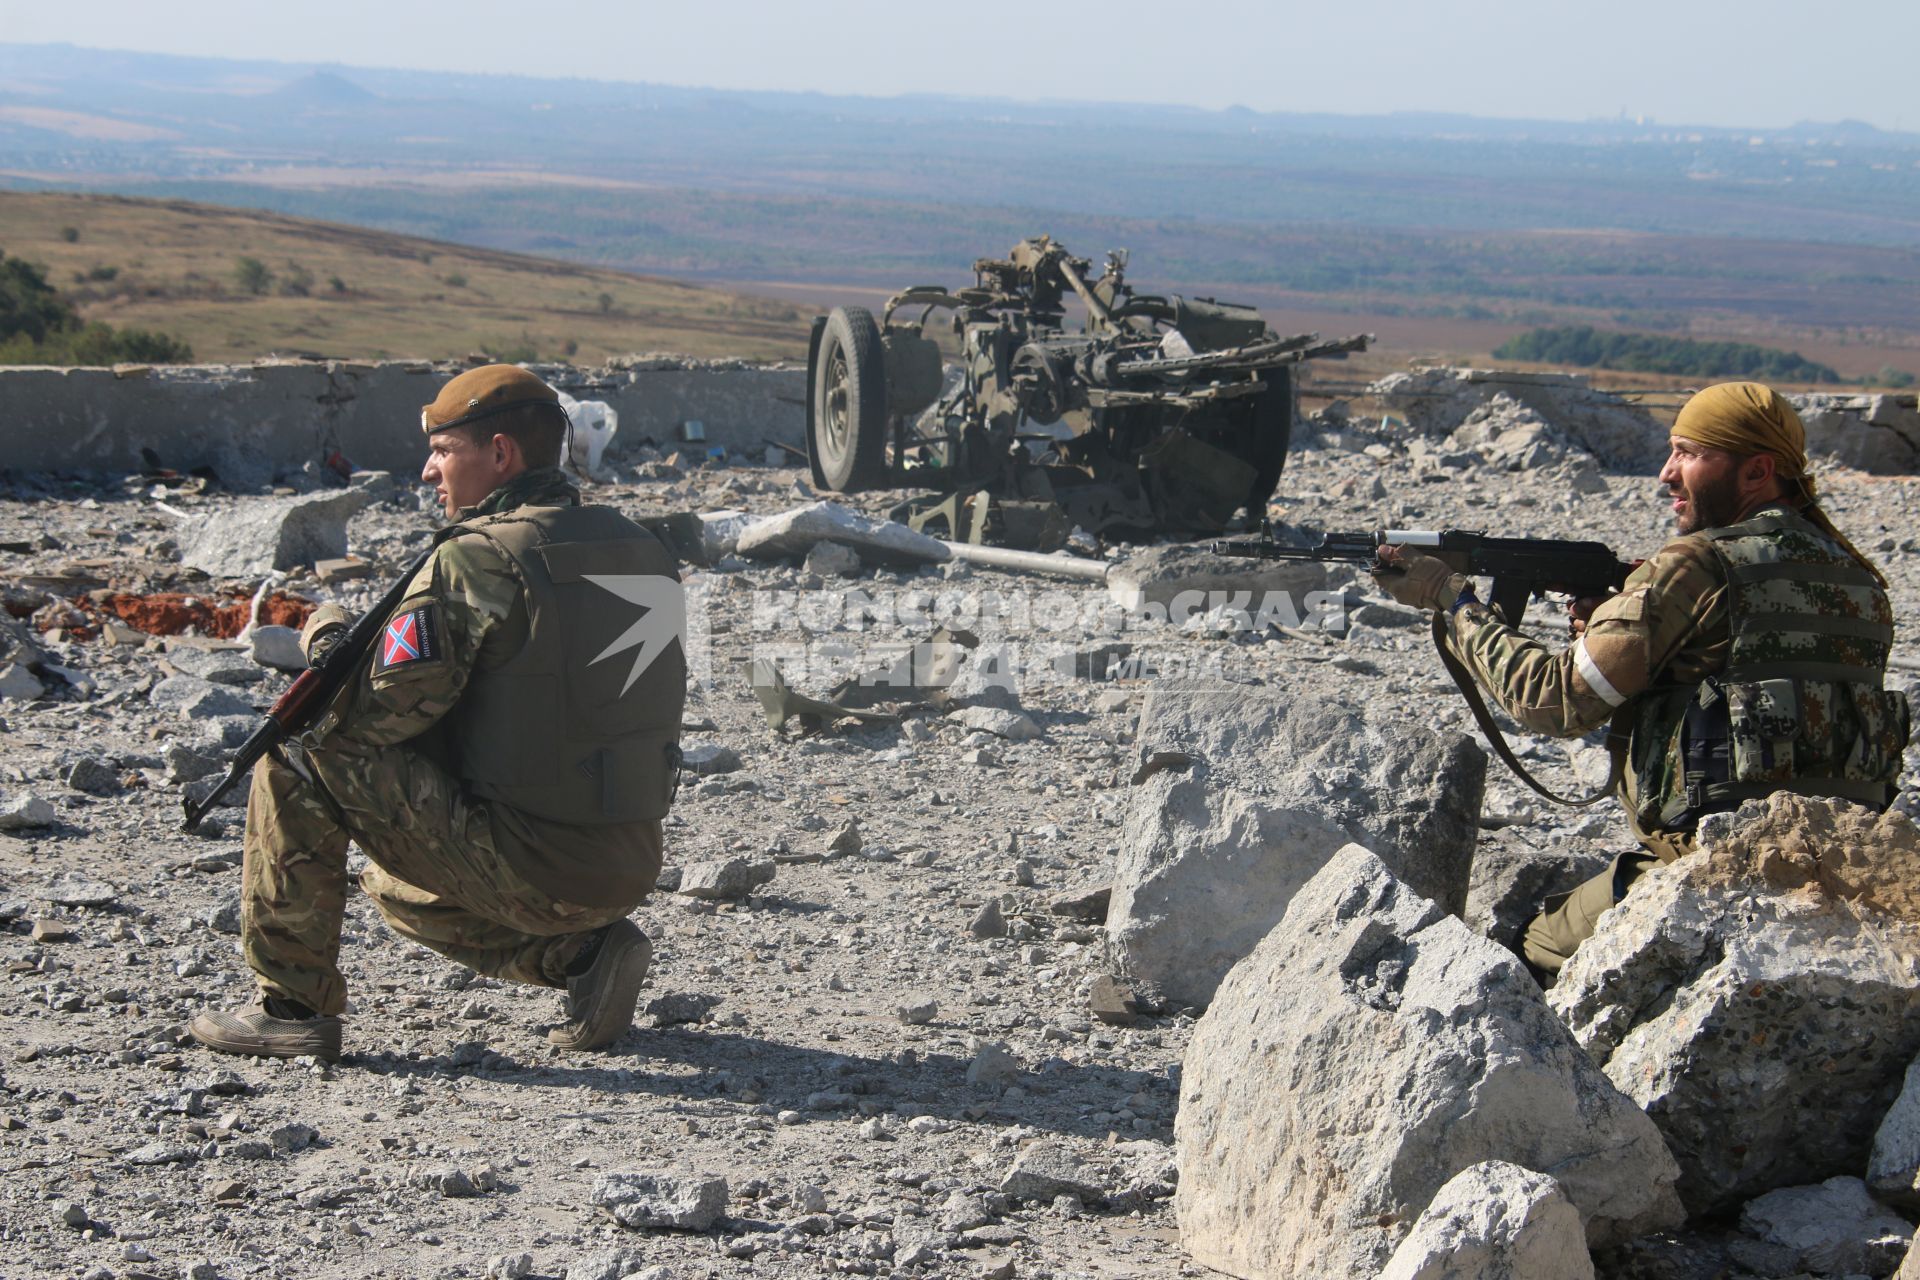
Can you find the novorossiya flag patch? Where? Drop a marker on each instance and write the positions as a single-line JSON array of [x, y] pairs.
[[410, 637]]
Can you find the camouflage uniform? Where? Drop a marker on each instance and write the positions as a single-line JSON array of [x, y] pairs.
[[468, 879], [1641, 664]]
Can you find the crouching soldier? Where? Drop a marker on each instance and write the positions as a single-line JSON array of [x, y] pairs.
[[504, 756]]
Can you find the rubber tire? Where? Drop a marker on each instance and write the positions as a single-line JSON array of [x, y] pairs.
[[853, 362]]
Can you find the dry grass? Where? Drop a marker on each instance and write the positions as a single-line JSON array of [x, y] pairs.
[[173, 269]]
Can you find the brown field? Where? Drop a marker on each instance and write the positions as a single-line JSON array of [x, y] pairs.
[[173, 269]]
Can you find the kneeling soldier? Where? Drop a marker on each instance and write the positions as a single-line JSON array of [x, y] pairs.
[[504, 757]]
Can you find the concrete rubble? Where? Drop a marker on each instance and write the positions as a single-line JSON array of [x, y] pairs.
[[272, 533], [26, 810], [1435, 402], [1833, 1229], [1525, 421], [725, 879], [1195, 581], [1795, 932], [278, 648], [683, 1201], [1507, 435], [18, 684], [1514, 872], [1495, 1219], [1255, 795], [1893, 1164], [1367, 1051], [913, 1050], [1876, 434]]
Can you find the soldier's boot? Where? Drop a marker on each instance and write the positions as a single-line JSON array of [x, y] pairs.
[[262, 1032], [601, 1000]]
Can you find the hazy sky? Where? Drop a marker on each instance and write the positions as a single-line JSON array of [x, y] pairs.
[[1751, 62]]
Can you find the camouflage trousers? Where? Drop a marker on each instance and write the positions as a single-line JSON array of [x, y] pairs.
[[1568, 919], [436, 875]]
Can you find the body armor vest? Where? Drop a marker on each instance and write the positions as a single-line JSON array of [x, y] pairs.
[[1800, 705], [568, 729]]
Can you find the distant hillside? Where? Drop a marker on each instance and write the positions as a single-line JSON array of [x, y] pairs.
[[238, 284]]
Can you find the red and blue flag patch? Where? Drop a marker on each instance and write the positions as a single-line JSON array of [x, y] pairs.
[[410, 637]]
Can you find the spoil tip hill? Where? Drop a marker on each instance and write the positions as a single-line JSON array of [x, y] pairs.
[[238, 284]]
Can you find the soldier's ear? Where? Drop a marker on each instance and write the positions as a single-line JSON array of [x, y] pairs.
[[505, 451]]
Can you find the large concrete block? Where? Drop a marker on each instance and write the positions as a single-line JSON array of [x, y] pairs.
[[256, 535], [1832, 1229], [1876, 434], [1370, 1049], [1263, 788], [1761, 999], [1621, 435], [1495, 1220], [1192, 580]]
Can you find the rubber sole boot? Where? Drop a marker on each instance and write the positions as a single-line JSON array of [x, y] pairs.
[[255, 1031], [600, 1002]]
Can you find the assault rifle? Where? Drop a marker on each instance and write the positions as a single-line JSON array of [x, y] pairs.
[[1521, 568], [300, 706]]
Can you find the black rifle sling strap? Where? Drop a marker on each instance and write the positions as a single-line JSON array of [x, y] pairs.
[[1463, 678]]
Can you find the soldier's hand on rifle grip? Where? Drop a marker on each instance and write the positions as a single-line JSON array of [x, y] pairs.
[[1416, 580], [324, 626], [1578, 613]]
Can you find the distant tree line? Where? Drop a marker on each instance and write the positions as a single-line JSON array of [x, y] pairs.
[[1585, 347], [38, 326]]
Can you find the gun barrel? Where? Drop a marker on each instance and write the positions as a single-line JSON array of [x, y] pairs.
[[1275, 551]]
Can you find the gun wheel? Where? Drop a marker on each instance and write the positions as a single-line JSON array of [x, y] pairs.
[[850, 402]]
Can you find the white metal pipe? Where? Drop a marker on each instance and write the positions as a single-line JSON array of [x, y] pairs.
[[1030, 561]]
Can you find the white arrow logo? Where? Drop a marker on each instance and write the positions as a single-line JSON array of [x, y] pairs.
[[664, 621]]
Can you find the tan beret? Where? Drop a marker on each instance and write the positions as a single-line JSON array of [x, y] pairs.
[[483, 392]]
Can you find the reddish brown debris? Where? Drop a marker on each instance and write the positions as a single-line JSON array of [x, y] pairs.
[[170, 613]]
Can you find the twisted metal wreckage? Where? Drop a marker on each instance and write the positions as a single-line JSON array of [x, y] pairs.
[[1159, 414]]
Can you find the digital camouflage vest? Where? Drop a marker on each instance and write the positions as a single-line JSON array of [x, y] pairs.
[[1800, 704], [573, 728]]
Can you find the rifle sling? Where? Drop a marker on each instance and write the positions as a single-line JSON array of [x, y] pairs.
[[1463, 679]]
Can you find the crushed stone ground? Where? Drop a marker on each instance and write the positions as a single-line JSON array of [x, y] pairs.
[[852, 1141]]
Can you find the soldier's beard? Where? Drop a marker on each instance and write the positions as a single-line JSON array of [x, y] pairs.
[[1712, 506]]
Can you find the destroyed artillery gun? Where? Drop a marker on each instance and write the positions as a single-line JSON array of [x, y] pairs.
[[1159, 414]]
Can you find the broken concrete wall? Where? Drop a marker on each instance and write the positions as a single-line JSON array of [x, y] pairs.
[[1436, 401], [249, 421], [1876, 434], [1879, 434]]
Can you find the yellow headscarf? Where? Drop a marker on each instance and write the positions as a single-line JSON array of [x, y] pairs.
[[1746, 418]]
